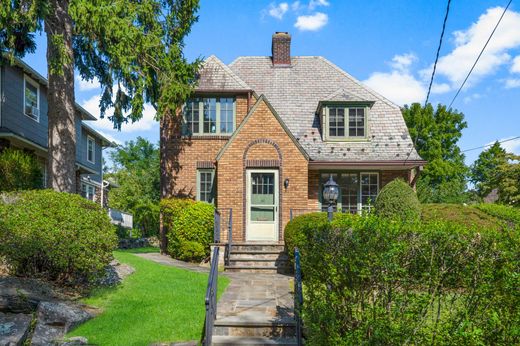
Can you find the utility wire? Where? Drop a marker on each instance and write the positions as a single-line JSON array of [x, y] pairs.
[[433, 72], [482, 51], [438, 52], [488, 145]]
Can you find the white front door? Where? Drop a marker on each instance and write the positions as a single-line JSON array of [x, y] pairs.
[[262, 205]]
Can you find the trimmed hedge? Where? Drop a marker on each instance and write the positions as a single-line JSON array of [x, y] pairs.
[[296, 230], [398, 201], [189, 227], [371, 280], [503, 212], [59, 236], [465, 215], [19, 171]]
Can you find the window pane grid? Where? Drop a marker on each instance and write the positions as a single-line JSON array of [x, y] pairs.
[[357, 191], [192, 116], [226, 115], [210, 115], [206, 186], [356, 122], [336, 122]]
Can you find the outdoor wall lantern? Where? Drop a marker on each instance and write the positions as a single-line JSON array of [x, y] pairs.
[[330, 194], [286, 183]]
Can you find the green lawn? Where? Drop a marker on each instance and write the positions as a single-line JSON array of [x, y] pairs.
[[156, 303]]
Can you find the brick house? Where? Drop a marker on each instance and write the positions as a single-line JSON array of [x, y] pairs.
[[262, 135]]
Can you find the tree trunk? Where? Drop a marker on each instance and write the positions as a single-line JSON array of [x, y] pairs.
[[61, 156]]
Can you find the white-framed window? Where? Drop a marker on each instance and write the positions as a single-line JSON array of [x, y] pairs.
[[205, 185], [209, 116], [345, 122], [88, 191], [357, 190], [31, 98], [91, 150]]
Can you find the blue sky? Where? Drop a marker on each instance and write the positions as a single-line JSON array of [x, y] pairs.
[[389, 45]]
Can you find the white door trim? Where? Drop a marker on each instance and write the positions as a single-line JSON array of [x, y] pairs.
[[276, 223]]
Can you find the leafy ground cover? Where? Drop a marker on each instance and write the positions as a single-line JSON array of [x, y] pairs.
[[157, 303], [468, 216]]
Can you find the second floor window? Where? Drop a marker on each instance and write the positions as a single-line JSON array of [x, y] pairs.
[[31, 99], [345, 122], [209, 116], [91, 146]]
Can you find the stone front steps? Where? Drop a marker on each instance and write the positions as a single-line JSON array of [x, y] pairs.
[[253, 340], [258, 258], [256, 309]]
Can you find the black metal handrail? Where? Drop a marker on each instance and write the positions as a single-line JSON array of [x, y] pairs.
[[298, 296], [216, 226], [229, 244], [211, 299]]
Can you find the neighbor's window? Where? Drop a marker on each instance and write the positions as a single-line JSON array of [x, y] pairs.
[[88, 191], [91, 145], [357, 191], [31, 99], [345, 122], [209, 116], [205, 192]]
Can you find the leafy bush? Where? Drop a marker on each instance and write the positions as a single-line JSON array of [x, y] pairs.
[[59, 236], [397, 200], [464, 215], [503, 212], [19, 171], [370, 280], [296, 230], [189, 228]]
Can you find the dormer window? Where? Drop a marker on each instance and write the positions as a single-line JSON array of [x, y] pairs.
[[209, 116], [343, 122]]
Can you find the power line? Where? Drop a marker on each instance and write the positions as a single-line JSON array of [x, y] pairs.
[[482, 51], [488, 145], [438, 52], [433, 72]]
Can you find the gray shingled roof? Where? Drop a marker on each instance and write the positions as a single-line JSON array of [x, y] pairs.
[[215, 75], [295, 93]]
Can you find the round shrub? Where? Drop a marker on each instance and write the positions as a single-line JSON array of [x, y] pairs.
[[58, 236], [296, 230], [189, 228], [397, 200], [19, 171]]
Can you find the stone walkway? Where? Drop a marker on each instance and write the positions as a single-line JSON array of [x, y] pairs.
[[167, 260], [253, 296], [249, 295]]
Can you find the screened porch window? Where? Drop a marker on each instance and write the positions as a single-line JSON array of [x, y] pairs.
[[358, 190]]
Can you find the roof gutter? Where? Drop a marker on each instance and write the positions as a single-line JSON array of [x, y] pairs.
[[372, 163]]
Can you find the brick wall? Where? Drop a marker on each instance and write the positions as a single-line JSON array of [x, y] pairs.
[[180, 155], [253, 143]]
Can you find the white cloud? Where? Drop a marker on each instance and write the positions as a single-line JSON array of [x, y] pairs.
[[515, 68], [398, 86], [295, 6], [468, 44], [110, 137], [85, 85], [471, 97], [403, 62], [511, 83], [312, 22], [146, 122], [278, 11], [316, 3], [440, 88]]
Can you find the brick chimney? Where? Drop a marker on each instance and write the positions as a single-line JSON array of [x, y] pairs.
[[281, 49]]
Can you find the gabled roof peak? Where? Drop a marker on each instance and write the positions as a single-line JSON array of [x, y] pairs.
[[347, 96], [215, 75]]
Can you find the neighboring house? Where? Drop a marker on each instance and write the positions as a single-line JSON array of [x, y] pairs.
[[24, 125], [263, 134]]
